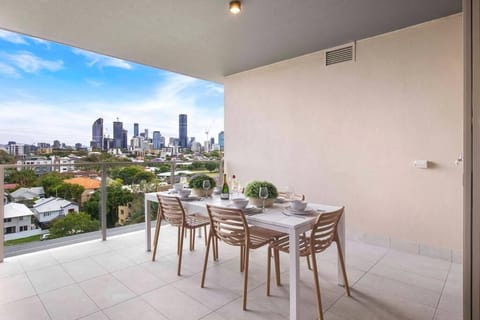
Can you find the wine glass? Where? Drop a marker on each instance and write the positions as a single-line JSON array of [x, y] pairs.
[[206, 186], [263, 194]]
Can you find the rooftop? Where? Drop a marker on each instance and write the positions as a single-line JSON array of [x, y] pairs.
[[14, 210], [50, 204], [87, 183]]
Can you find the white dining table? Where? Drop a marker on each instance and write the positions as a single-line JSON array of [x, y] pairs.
[[273, 218]]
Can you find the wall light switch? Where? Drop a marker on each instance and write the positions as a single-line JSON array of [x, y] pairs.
[[421, 164]]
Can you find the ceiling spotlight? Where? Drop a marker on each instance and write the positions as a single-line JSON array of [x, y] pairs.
[[235, 7]]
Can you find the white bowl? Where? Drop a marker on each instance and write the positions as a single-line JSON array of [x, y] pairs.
[[178, 187], [240, 203], [185, 193], [298, 205]]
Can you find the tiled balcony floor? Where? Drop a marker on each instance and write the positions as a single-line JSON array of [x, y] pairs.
[[116, 280]]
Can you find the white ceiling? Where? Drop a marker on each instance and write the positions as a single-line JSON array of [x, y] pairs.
[[201, 39]]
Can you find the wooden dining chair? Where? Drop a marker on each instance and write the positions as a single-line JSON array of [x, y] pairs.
[[323, 233], [171, 210], [230, 226]]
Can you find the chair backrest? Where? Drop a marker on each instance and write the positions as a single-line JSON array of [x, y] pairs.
[[229, 225], [294, 196], [324, 230], [171, 209]]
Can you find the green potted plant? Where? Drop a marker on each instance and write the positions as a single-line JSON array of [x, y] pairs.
[[252, 191], [196, 183]]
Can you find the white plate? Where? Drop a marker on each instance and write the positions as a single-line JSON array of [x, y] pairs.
[[299, 212], [191, 198]]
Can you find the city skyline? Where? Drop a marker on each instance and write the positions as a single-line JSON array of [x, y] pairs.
[[58, 91]]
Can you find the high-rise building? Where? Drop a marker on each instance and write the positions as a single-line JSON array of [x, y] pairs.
[[117, 134], [182, 131], [212, 140], [146, 134], [97, 134], [56, 144], [156, 140], [221, 141], [135, 129], [124, 139]]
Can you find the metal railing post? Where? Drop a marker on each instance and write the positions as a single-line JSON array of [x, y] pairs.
[[2, 192], [103, 201], [172, 173]]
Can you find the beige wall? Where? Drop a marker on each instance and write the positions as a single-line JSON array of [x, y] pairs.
[[348, 134]]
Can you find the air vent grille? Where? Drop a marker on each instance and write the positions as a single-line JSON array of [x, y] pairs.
[[339, 55]]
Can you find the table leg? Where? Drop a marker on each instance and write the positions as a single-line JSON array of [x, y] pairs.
[[294, 276], [341, 238], [148, 226]]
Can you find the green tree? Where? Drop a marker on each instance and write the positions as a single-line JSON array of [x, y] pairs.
[[116, 196], [73, 223], [211, 166], [132, 174], [70, 191], [50, 182], [24, 177], [6, 158]]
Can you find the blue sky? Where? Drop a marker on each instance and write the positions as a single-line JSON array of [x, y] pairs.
[[51, 91]]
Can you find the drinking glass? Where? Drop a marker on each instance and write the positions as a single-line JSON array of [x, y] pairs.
[[263, 194], [206, 186]]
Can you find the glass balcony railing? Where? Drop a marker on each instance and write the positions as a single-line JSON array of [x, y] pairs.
[[50, 205]]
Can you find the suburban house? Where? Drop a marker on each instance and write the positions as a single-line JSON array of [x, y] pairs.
[[5, 198], [23, 194], [89, 184], [124, 213], [18, 218], [47, 209]]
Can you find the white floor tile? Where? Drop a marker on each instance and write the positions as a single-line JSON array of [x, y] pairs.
[[24, 309], [84, 269], [174, 304], [136, 309], [138, 279], [95, 316], [15, 287], [68, 303], [106, 291], [49, 278]]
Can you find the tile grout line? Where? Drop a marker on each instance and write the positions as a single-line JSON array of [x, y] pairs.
[[364, 274], [38, 296], [441, 293]]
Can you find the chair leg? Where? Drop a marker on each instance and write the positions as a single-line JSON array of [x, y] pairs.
[[181, 249], [192, 239], [317, 286], [206, 259], [276, 255], [216, 249], [269, 263], [342, 264], [205, 234], [245, 277], [308, 262], [242, 258], [155, 237], [178, 240]]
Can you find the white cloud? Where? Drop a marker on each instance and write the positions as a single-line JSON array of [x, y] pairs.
[[73, 123], [12, 37], [30, 63], [101, 61], [215, 88], [41, 41], [8, 70], [94, 83]]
